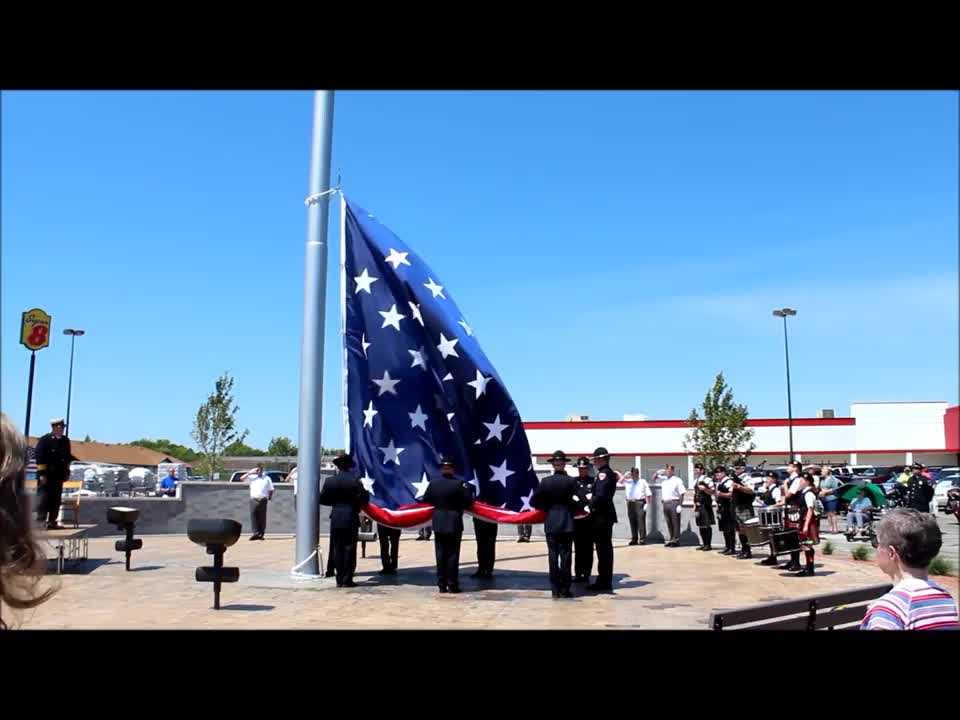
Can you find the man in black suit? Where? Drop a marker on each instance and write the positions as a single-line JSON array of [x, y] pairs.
[[555, 496], [604, 516], [346, 495], [449, 497], [486, 533], [53, 457]]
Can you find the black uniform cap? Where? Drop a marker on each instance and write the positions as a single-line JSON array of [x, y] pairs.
[[718, 468], [559, 456], [583, 462], [600, 452], [344, 461], [448, 460]]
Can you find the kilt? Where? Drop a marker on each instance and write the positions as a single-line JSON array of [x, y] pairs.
[[743, 514]]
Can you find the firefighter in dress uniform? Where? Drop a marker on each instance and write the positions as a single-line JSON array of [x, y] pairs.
[[53, 458], [583, 527]]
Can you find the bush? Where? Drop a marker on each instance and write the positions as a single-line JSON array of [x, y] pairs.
[[860, 552], [941, 566], [827, 548]]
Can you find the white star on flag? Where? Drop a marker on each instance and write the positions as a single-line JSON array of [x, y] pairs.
[[391, 453], [397, 258], [448, 376], [387, 384], [480, 384], [526, 502], [367, 483], [446, 346], [437, 290], [369, 414], [495, 428], [392, 318], [450, 417], [365, 344], [364, 281], [415, 309], [418, 358], [500, 474], [466, 327], [421, 486], [476, 483], [418, 419]]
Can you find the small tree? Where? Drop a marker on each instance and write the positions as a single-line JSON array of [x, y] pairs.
[[281, 446], [214, 428], [721, 434], [87, 438]]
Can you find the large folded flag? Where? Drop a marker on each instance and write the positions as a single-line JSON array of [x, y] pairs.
[[418, 386]]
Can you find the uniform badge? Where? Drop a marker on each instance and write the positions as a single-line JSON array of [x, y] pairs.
[[602, 476]]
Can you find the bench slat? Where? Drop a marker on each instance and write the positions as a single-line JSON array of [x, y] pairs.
[[772, 611]]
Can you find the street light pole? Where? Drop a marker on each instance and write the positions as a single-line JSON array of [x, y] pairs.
[[785, 313], [74, 334]]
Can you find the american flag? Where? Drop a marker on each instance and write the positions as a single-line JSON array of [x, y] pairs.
[[418, 384]]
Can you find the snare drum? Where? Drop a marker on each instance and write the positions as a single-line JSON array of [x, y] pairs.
[[755, 534], [785, 542], [771, 517]]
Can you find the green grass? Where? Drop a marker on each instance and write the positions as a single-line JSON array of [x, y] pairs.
[[860, 552], [941, 566], [827, 548]]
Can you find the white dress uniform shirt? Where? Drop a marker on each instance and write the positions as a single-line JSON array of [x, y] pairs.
[[673, 488], [636, 489], [260, 486]]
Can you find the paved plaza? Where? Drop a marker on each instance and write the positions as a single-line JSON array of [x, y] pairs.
[[655, 588]]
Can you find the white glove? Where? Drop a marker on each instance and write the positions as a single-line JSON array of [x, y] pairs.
[[589, 496]]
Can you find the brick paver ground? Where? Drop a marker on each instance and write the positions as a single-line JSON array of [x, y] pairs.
[[655, 588]]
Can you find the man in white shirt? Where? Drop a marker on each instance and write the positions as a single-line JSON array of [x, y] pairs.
[[638, 495], [261, 492], [672, 489]]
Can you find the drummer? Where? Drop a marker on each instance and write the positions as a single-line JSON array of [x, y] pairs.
[[743, 509], [771, 496], [800, 514]]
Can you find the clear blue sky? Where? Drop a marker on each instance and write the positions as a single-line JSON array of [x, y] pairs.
[[665, 225]]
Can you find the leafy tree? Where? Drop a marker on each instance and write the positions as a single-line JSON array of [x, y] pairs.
[[281, 446], [721, 435], [180, 452], [215, 426], [241, 449]]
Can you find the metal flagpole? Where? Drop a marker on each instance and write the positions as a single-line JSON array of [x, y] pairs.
[[311, 351]]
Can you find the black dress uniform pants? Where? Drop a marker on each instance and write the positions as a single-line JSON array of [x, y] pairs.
[[638, 520], [603, 539], [486, 533], [447, 547], [344, 544], [583, 547], [389, 546], [559, 549], [258, 516], [49, 497]]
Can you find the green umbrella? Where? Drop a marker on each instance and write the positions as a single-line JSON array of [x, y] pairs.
[[873, 492]]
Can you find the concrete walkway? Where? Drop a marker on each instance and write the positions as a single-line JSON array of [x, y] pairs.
[[655, 588]]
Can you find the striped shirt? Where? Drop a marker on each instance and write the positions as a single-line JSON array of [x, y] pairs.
[[913, 604]]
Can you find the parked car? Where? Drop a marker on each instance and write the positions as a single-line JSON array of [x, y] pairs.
[[275, 476], [940, 491]]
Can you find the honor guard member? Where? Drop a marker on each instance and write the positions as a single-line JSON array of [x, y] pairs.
[[771, 495], [555, 497], [727, 521], [583, 526], [345, 494], [449, 497], [604, 516], [743, 498], [53, 457], [918, 493], [801, 513], [703, 490], [389, 548], [486, 534]]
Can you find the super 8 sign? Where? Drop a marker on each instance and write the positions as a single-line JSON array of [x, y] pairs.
[[35, 329]]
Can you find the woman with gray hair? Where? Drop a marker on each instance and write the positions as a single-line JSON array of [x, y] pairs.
[[908, 541], [21, 560]]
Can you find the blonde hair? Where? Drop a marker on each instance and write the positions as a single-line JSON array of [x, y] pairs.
[[21, 561]]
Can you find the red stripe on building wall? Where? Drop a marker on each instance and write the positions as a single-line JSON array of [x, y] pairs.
[[951, 428], [626, 424]]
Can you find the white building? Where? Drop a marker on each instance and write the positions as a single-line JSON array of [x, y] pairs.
[[874, 434]]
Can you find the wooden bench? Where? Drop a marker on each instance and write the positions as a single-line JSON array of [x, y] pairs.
[[840, 610], [70, 544], [69, 504]]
